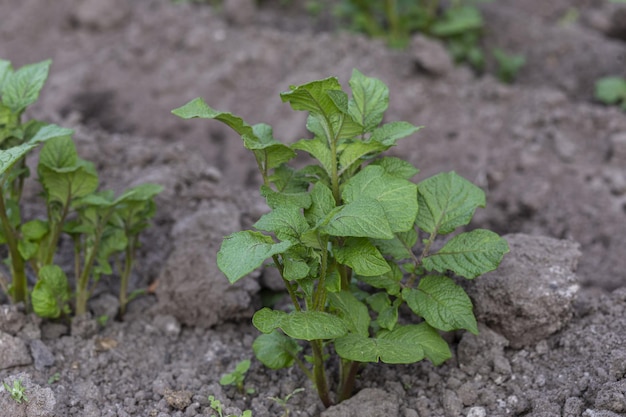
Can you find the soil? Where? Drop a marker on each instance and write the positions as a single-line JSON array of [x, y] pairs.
[[551, 160]]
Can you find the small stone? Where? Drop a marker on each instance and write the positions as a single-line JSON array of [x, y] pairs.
[[369, 402], [178, 399], [104, 305], [52, 331], [42, 355], [430, 55], [451, 403], [573, 407], [530, 296], [477, 412], [168, 325], [13, 352], [612, 397], [84, 326], [618, 146], [11, 318]]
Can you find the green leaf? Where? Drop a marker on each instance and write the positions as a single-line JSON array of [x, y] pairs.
[[388, 317], [287, 223], [243, 252], [343, 123], [360, 255], [313, 325], [318, 150], [289, 180], [34, 229], [402, 345], [21, 88], [352, 152], [295, 269], [397, 197], [10, 156], [27, 248], [49, 132], [267, 320], [197, 108], [113, 241], [379, 301], [389, 133], [269, 151], [399, 248], [6, 69], [469, 254], [66, 184], [322, 203], [51, 293], [361, 218], [447, 201], [352, 311], [313, 97], [457, 21], [443, 304], [305, 325], [370, 99], [389, 281], [276, 199], [611, 90], [275, 350], [397, 167]]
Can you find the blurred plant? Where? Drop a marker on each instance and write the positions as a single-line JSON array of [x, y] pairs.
[[101, 226], [459, 24], [216, 405], [283, 401], [508, 65], [238, 376], [612, 90]]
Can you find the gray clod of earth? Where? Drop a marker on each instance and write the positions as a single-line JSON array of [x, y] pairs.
[[530, 296]]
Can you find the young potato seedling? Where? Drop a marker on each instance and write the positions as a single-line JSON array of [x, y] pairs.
[[102, 227], [17, 391], [217, 406], [238, 376], [353, 238], [283, 401]]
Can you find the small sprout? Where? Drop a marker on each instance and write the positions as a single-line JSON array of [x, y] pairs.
[[216, 405], [283, 401], [508, 65], [237, 377], [54, 378], [612, 90], [17, 391]]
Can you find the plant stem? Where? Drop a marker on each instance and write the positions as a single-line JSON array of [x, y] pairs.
[[18, 270], [128, 265], [319, 373], [347, 379]]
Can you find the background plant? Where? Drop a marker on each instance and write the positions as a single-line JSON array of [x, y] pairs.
[[612, 90], [508, 65], [101, 226], [342, 232]]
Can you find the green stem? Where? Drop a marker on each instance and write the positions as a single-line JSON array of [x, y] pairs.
[[82, 293], [418, 261], [128, 265], [319, 299], [319, 373], [18, 270], [290, 289], [348, 379], [391, 9]]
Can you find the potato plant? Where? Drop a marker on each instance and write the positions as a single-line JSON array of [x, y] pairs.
[[353, 238], [100, 225]]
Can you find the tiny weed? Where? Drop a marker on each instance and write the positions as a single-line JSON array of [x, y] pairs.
[[283, 401], [54, 378], [237, 377], [508, 65], [17, 391], [217, 406], [612, 90], [349, 222]]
